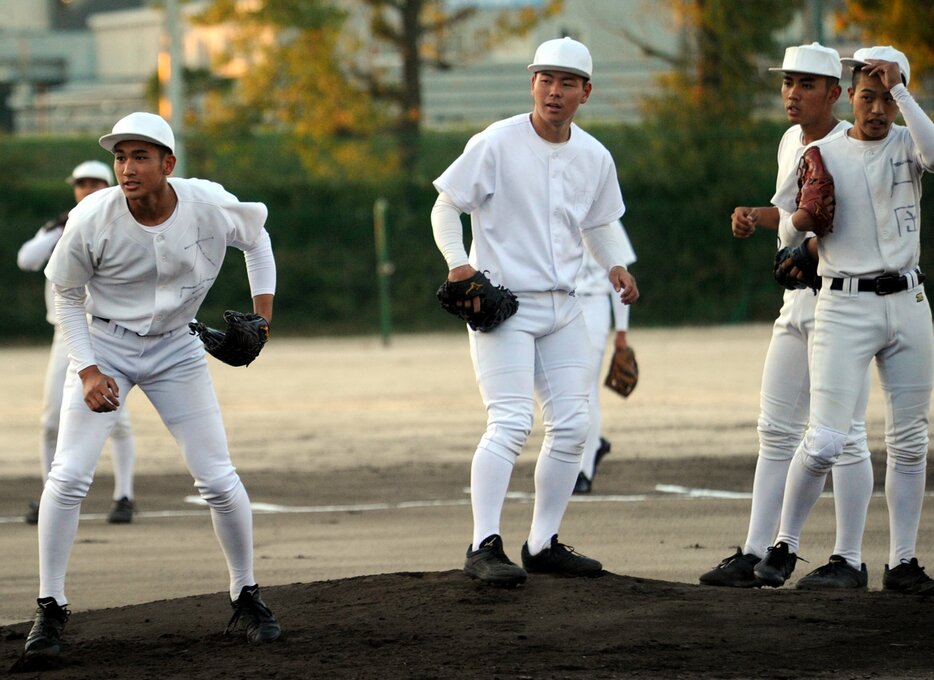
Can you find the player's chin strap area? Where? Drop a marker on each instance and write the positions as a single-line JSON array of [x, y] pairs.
[[881, 285]]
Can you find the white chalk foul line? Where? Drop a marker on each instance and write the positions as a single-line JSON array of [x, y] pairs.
[[666, 491]]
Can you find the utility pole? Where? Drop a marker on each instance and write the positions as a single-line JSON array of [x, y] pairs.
[[171, 103]]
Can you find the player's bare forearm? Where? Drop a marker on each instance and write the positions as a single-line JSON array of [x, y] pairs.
[[744, 221], [624, 283], [262, 305], [101, 392], [802, 220], [620, 341]]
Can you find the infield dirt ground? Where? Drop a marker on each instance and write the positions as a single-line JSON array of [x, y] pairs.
[[356, 457]]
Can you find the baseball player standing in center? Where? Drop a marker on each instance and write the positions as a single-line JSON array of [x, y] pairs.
[[85, 179], [871, 304], [537, 188], [810, 88], [129, 273]]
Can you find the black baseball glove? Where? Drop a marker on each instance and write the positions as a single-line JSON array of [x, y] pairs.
[[796, 257], [497, 303], [240, 343]]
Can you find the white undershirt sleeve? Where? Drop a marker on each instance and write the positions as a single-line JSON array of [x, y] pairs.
[[33, 254], [73, 320], [261, 266], [605, 245], [620, 313], [918, 122], [448, 231]]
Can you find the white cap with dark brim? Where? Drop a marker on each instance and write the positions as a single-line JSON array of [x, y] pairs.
[[146, 127]]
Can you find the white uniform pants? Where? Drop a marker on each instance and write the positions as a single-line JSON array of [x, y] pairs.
[[121, 437], [538, 354], [852, 328], [784, 405], [172, 371], [597, 313]]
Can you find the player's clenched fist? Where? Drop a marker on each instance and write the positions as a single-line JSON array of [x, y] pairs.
[[101, 392], [744, 221]]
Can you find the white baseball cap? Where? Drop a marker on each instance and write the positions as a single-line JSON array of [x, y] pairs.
[[883, 52], [91, 170], [147, 127], [814, 58], [563, 54]]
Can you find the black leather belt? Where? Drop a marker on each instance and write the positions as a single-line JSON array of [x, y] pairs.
[[882, 285]]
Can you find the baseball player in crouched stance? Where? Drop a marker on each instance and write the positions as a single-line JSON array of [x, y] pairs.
[[535, 185], [85, 179], [145, 254], [871, 304], [810, 88]]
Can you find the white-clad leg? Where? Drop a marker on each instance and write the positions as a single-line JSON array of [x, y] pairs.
[[596, 309], [123, 450], [52, 400]]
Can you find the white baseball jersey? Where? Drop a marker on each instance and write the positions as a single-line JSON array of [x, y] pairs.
[[530, 241], [152, 280], [33, 255], [875, 232]]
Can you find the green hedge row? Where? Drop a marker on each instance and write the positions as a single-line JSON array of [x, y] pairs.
[[679, 190]]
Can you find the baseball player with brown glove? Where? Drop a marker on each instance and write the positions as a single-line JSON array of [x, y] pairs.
[[871, 305], [810, 88], [603, 308], [130, 272], [537, 187]]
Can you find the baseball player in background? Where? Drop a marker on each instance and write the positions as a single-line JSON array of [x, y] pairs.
[[537, 188], [810, 88], [85, 179], [871, 304], [599, 302], [129, 273]]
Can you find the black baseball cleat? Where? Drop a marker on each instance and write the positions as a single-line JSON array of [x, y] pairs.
[[777, 565], [489, 564], [45, 638], [253, 616], [837, 574], [735, 571], [32, 517], [582, 485], [907, 577], [559, 559], [602, 451], [122, 511]]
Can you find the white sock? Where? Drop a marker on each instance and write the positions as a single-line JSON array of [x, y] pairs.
[[904, 494], [802, 490], [852, 489], [489, 481], [58, 526], [768, 489], [233, 524], [555, 475]]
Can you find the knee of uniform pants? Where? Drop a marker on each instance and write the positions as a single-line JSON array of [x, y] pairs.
[[908, 461], [218, 491], [777, 441], [50, 434], [856, 446], [69, 487], [506, 433], [821, 448], [122, 429], [569, 435]]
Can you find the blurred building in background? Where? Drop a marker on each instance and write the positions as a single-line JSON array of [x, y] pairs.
[[74, 66]]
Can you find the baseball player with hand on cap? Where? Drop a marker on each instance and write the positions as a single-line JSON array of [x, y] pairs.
[[537, 188], [810, 88], [601, 306], [85, 179], [871, 304], [129, 273]]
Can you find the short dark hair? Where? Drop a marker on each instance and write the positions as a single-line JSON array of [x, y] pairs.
[[858, 69]]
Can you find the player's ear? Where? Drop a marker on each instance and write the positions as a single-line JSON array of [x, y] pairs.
[[168, 164]]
